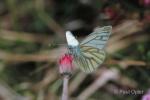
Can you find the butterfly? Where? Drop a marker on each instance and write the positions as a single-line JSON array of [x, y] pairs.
[[89, 53]]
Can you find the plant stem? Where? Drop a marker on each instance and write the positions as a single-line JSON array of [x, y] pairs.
[[65, 88]]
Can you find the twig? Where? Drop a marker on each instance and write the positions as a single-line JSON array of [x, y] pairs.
[[111, 48], [125, 63], [125, 30], [24, 36], [99, 82], [8, 93], [40, 95], [51, 96], [49, 77], [76, 82], [49, 56]]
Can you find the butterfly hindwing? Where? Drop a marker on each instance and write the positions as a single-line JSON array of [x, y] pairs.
[[90, 58]]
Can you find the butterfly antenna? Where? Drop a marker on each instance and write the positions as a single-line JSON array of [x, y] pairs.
[[55, 44]]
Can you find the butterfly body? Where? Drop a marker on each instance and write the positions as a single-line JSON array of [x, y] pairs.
[[74, 50], [89, 54]]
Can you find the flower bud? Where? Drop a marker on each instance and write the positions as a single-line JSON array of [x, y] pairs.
[[65, 64]]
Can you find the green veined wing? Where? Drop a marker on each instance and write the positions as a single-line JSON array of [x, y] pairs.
[[92, 53], [90, 58], [98, 38]]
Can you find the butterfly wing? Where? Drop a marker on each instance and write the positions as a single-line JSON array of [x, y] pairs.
[[98, 38], [92, 53], [90, 58]]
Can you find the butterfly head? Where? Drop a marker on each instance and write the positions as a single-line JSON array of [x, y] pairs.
[[71, 40]]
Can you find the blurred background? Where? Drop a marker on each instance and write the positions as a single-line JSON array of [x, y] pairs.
[[32, 38]]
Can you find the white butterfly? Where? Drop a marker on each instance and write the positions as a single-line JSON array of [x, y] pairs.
[[89, 54]]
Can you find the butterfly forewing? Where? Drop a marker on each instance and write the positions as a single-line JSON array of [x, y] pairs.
[[98, 38], [92, 54]]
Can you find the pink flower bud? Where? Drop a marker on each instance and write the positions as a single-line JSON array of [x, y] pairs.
[[146, 96], [65, 64]]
